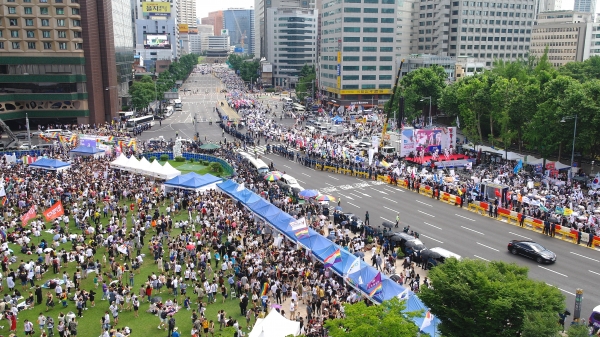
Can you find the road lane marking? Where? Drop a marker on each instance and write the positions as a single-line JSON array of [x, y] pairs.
[[330, 184], [356, 195], [306, 174], [382, 192], [524, 237], [287, 166], [464, 217], [589, 258], [593, 272], [553, 271], [332, 177], [386, 219], [301, 181], [345, 196], [394, 201], [433, 216], [430, 238], [472, 230], [428, 224], [389, 190], [481, 244], [366, 195], [391, 209], [479, 257], [424, 203], [568, 292], [353, 205]]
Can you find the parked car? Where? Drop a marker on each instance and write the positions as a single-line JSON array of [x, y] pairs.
[[291, 181], [532, 250], [435, 256], [402, 240]]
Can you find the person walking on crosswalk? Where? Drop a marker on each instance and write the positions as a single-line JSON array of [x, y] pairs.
[[397, 220]]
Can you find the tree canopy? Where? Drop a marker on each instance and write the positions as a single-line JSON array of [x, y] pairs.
[[306, 86], [478, 298], [385, 320], [246, 65]]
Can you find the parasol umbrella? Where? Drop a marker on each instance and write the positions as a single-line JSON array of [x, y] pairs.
[[426, 253], [190, 247], [273, 176], [325, 197], [415, 245], [396, 238], [210, 146], [48, 250], [359, 254], [337, 208], [307, 194], [387, 224]]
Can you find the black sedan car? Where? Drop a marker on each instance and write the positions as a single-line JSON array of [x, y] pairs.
[[532, 250]]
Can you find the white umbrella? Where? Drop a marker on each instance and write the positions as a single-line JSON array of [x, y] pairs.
[[47, 250]]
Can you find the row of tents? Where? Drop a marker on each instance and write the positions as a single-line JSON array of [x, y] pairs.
[[322, 248], [509, 155], [144, 167]]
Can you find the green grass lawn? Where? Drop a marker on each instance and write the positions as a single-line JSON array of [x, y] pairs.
[[187, 167], [145, 325]]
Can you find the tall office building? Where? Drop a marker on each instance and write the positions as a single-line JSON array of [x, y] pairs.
[[291, 42], [357, 51], [567, 34], [214, 19], [124, 48], [240, 28], [260, 15], [587, 6], [157, 32], [42, 64], [481, 30], [186, 12]]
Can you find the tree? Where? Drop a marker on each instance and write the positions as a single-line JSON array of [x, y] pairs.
[[478, 298], [245, 65], [578, 331], [385, 320], [142, 92], [473, 97], [415, 85], [306, 86]]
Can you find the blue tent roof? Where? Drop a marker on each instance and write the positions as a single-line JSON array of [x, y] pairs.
[[50, 164], [192, 180], [82, 149], [414, 304], [324, 252], [228, 186]]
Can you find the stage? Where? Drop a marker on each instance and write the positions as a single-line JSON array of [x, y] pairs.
[[426, 160]]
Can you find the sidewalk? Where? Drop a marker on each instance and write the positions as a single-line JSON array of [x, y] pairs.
[[229, 112]]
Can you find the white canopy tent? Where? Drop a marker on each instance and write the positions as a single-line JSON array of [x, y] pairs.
[[275, 325], [145, 167], [170, 171], [120, 162]]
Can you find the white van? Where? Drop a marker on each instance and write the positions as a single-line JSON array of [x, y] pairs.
[[287, 100], [446, 254], [299, 108], [292, 182], [49, 133]]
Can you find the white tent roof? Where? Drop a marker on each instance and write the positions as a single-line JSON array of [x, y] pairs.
[[512, 156], [120, 162], [534, 160], [561, 166], [169, 171], [133, 165], [145, 166], [275, 325]]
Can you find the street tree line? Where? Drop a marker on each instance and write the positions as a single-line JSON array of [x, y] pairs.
[[246, 65], [519, 104], [146, 90]]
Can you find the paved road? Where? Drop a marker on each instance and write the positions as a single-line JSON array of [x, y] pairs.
[[458, 230]]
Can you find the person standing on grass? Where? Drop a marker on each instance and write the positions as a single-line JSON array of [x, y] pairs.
[[73, 327], [171, 326], [28, 328], [136, 306]]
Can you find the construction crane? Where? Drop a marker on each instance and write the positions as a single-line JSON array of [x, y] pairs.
[[390, 107]]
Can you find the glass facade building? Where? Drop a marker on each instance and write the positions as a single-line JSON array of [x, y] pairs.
[[124, 46], [240, 27]]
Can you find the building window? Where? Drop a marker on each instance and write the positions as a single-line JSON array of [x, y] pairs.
[[31, 34], [352, 29], [369, 58], [387, 30], [352, 1], [369, 77], [60, 11], [351, 10], [76, 23], [75, 11], [12, 10], [28, 10], [385, 77], [369, 20], [62, 34], [78, 46], [385, 58], [60, 22], [351, 58], [44, 1], [45, 22], [351, 39], [369, 68], [47, 45], [14, 33], [62, 45], [386, 49], [386, 68], [350, 68], [385, 86], [44, 10], [371, 1], [369, 30], [1, 45], [370, 49], [350, 49], [371, 10], [388, 2], [387, 20], [13, 22], [369, 39], [29, 22], [368, 86], [350, 86], [387, 11], [16, 45], [386, 39], [350, 77], [348, 19], [77, 35], [30, 45], [46, 34]]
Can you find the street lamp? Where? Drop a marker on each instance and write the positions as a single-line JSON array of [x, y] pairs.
[[429, 98], [563, 120]]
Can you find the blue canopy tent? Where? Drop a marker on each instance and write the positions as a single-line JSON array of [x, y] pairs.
[[193, 181], [83, 150], [344, 266], [228, 186], [176, 181], [257, 204], [337, 119], [414, 304], [314, 241], [322, 253], [247, 197], [50, 164]]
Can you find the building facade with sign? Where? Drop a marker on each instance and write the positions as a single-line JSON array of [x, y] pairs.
[[157, 32], [291, 43], [357, 60]]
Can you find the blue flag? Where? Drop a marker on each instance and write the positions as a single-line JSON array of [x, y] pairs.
[[518, 167]]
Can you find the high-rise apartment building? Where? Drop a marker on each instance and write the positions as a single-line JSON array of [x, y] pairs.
[[482, 30], [566, 34], [291, 42], [240, 28], [157, 32], [260, 15], [214, 19], [587, 6], [42, 65], [186, 13], [357, 51]]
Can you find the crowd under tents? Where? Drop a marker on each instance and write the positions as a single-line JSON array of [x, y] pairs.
[[144, 167], [527, 159], [320, 247], [50, 164], [193, 181]]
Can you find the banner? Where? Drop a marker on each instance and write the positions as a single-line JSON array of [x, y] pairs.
[[54, 212], [407, 142], [28, 216]]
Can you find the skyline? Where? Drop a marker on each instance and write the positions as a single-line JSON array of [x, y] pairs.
[[204, 7]]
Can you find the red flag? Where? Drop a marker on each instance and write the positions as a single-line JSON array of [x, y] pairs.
[[28, 216], [4, 201], [497, 193], [54, 212]]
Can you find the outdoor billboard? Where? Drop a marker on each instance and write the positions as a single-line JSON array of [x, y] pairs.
[[154, 41], [267, 68], [184, 28], [156, 8], [413, 140]]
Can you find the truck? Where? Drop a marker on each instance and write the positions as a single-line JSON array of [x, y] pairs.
[[177, 104]]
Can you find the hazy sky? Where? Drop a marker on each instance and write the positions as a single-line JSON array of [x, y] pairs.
[[205, 6]]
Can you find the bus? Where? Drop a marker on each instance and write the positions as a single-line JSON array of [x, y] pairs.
[[258, 164], [178, 105], [124, 115], [132, 123]]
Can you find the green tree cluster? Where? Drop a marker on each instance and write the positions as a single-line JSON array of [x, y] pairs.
[[306, 87], [246, 65], [522, 104], [145, 91], [478, 298], [385, 320]]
